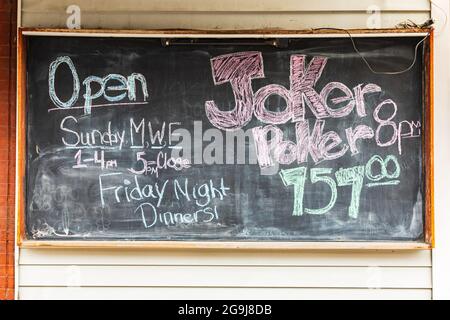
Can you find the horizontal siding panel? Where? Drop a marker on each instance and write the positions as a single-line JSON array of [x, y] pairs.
[[419, 258], [227, 6], [217, 21], [226, 276], [119, 293]]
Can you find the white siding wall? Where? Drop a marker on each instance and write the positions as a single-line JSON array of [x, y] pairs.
[[122, 274], [225, 14], [172, 274]]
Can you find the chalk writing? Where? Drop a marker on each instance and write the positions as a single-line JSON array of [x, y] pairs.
[[151, 216], [119, 84], [141, 141], [354, 177], [316, 143], [162, 162]]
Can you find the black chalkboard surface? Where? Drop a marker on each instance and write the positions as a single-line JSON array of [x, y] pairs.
[[225, 140]]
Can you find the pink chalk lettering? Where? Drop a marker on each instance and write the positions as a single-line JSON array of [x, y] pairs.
[[386, 122], [360, 91], [328, 142], [306, 143], [302, 81], [238, 69], [268, 116], [348, 97], [408, 129], [353, 135], [264, 146], [285, 152]]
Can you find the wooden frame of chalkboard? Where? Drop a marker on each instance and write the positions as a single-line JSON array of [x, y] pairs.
[[427, 140]]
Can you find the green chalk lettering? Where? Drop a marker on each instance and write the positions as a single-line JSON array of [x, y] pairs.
[[387, 183], [316, 176], [396, 173], [369, 168], [383, 168], [297, 178], [352, 177]]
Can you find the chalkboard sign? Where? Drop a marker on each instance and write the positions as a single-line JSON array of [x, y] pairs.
[[226, 139]]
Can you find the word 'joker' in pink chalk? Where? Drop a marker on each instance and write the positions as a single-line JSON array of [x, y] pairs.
[[240, 68]]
